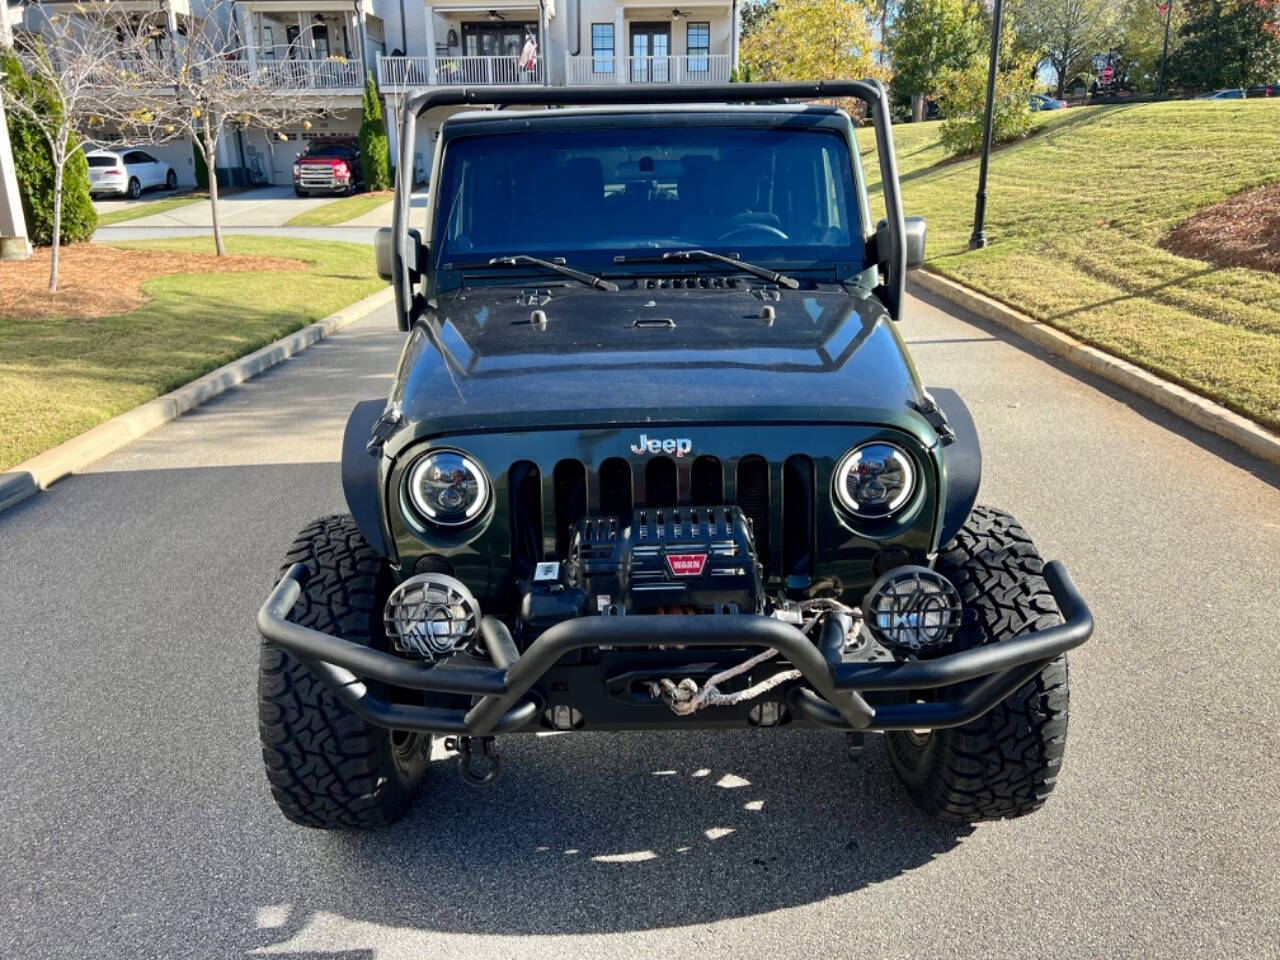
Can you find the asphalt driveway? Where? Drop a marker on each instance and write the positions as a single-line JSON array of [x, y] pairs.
[[135, 821]]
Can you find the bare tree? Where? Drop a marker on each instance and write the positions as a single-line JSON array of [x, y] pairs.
[[211, 86], [73, 85]]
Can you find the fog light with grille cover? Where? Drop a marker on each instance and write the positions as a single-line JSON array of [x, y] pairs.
[[912, 608], [431, 615]]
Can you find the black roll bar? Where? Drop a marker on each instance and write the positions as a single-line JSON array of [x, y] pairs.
[[406, 264]]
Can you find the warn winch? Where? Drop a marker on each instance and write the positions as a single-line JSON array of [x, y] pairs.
[[678, 560]]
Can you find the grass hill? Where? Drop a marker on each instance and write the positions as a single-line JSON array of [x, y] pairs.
[[1077, 214]]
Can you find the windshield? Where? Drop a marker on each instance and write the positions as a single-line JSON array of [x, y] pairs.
[[780, 194]]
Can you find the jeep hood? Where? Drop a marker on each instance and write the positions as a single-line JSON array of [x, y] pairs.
[[481, 359]]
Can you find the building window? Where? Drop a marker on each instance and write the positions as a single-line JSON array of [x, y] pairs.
[[699, 46], [602, 48]]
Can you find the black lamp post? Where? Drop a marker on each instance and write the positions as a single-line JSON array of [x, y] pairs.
[[1164, 54], [978, 238]]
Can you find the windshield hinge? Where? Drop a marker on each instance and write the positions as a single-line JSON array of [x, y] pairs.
[[387, 424], [933, 415]]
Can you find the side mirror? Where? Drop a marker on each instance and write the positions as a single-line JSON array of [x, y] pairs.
[[384, 253], [384, 250], [914, 239]]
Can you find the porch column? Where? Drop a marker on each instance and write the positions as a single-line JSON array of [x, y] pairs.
[[543, 51], [621, 48], [249, 27], [733, 37], [431, 46]]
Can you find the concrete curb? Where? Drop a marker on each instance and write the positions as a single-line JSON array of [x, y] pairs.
[[38, 473], [1192, 407]]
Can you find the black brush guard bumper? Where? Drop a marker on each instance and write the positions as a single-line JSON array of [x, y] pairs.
[[829, 694]]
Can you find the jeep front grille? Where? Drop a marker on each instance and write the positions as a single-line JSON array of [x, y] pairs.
[[662, 482]]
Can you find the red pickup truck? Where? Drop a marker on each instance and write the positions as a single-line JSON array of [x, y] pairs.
[[327, 166]]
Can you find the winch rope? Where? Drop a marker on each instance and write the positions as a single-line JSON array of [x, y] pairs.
[[685, 697]]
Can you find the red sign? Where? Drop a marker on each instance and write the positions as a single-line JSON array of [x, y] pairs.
[[1107, 73], [686, 564]]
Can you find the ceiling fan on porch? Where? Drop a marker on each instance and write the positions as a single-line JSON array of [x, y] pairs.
[[677, 13], [495, 15]]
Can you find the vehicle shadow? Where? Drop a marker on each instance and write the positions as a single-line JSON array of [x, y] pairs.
[[600, 833]]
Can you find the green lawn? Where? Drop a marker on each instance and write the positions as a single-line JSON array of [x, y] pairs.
[[60, 377], [161, 205], [340, 211], [1076, 214]]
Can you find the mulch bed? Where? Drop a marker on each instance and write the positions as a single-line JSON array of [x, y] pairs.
[[1243, 231], [100, 281]]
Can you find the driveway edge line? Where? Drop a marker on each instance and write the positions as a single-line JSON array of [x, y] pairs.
[[1192, 407], [31, 476]]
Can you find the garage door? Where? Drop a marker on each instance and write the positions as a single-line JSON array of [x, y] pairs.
[[286, 151]]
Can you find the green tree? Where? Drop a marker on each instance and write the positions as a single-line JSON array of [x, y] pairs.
[[1227, 43], [375, 157], [963, 94], [1067, 33], [752, 13], [68, 211], [929, 38]]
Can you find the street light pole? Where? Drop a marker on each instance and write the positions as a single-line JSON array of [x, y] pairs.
[[978, 239], [1164, 56]]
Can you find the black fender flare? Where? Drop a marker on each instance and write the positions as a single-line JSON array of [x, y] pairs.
[[362, 475], [962, 461]]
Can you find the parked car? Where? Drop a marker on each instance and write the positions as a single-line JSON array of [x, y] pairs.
[[1039, 101], [1232, 93], [328, 166], [1265, 90], [126, 172], [656, 457]]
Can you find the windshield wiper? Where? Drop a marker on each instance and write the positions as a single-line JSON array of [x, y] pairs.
[[752, 268], [558, 265]]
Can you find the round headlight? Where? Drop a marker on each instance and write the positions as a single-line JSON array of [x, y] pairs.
[[875, 479], [448, 488]]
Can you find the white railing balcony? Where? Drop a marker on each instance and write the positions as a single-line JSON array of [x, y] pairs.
[[332, 76], [334, 73], [699, 68], [400, 73]]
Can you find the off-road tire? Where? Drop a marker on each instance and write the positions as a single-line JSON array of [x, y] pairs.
[[1005, 763], [326, 766]]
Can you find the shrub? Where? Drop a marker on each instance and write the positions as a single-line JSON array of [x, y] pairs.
[[33, 166], [374, 154], [963, 98]]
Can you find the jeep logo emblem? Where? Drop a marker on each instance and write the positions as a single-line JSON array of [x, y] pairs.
[[679, 446]]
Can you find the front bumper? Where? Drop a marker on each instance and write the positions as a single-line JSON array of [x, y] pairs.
[[832, 691]]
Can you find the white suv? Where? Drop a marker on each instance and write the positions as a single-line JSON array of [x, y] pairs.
[[127, 172]]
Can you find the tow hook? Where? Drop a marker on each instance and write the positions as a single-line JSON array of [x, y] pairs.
[[478, 761]]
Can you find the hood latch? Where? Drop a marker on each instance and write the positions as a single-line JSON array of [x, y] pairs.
[[933, 415]]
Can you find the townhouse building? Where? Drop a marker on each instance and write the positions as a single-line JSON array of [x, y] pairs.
[[324, 48], [475, 42]]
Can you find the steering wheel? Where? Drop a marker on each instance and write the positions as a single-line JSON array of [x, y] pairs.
[[752, 228]]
